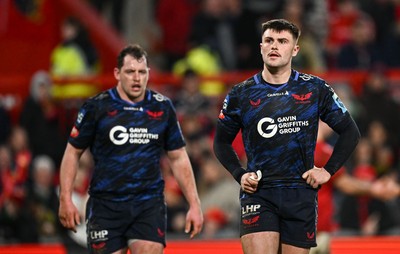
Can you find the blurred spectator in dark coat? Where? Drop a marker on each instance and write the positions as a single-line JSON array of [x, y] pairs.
[[40, 118], [112, 9], [247, 31], [383, 13], [391, 49], [378, 105], [361, 51], [214, 26], [189, 100]]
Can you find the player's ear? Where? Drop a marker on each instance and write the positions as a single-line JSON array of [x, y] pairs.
[[296, 50], [116, 73]]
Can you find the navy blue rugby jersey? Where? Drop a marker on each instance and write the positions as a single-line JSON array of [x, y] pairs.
[[127, 140], [279, 124]]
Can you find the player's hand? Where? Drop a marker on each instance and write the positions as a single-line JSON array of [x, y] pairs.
[[194, 221], [69, 215], [249, 181], [316, 177]]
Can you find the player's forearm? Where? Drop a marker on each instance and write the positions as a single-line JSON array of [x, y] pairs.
[[226, 154], [69, 167], [183, 173], [189, 189], [349, 136]]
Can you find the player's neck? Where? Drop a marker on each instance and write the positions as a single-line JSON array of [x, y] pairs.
[[124, 96], [276, 75]]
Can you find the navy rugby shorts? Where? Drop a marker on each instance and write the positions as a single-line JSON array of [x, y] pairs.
[[111, 224], [290, 211]]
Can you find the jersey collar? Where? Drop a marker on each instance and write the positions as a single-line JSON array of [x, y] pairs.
[[259, 80], [115, 95]]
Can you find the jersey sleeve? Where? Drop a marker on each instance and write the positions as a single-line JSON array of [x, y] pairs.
[[323, 152], [174, 136], [229, 117], [83, 130], [335, 114], [332, 110], [227, 128]]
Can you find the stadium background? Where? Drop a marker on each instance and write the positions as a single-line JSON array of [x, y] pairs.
[[30, 30]]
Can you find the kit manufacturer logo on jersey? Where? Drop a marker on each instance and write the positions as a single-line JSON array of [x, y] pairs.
[[255, 103], [112, 112]]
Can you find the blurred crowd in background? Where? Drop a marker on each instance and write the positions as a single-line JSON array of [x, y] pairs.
[[192, 38]]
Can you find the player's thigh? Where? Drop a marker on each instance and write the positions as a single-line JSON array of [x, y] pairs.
[[290, 249], [106, 222], [150, 223], [143, 246], [299, 216], [259, 213], [260, 242]]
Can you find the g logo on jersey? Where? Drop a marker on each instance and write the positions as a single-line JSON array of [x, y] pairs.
[[271, 129], [121, 138]]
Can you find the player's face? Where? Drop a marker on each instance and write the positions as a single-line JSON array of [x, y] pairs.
[[132, 79], [278, 48]]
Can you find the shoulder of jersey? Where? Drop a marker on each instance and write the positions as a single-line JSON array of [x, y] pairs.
[[101, 96], [247, 82], [158, 96], [305, 77]]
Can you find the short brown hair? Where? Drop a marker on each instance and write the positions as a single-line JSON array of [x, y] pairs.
[[134, 50], [282, 25]]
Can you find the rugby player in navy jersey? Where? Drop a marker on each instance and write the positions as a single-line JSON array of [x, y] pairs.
[[126, 129], [277, 110]]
